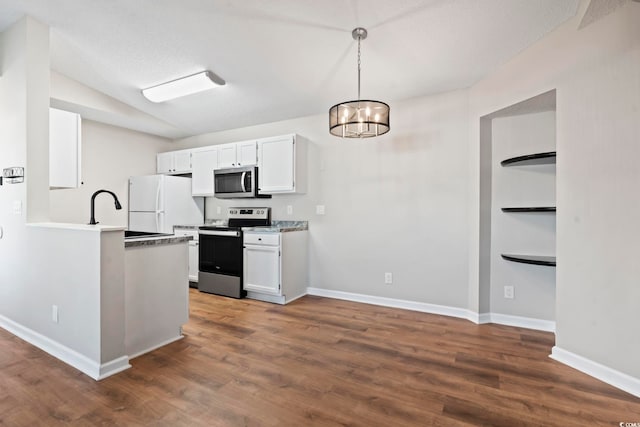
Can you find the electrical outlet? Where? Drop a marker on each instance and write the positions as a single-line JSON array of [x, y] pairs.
[[17, 207], [54, 313], [388, 278], [289, 210], [319, 209], [508, 292]]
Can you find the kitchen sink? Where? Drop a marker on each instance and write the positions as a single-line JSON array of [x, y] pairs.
[[130, 234]]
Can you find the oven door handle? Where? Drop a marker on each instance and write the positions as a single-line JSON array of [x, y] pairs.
[[242, 178], [220, 233]]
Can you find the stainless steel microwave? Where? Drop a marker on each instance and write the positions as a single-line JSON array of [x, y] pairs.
[[236, 183]]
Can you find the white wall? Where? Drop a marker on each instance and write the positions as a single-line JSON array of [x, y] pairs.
[[596, 72], [396, 203], [110, 155]]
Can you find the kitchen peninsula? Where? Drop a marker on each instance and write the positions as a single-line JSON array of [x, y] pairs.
[[132, 295]]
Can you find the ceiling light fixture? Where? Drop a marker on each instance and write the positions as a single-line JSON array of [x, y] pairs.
[[361, 118], [183, 86]]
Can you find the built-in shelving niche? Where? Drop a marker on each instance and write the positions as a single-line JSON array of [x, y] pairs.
[[509, 216]]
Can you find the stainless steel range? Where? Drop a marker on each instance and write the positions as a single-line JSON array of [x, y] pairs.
[[221, 251]]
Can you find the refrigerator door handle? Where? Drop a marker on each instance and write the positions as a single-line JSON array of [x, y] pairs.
[[158, 210]]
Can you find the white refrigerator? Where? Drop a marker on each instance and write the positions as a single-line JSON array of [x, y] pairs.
[[158, 202]]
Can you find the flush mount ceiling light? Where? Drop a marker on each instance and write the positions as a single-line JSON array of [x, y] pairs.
[[183, 86], [361, 118]]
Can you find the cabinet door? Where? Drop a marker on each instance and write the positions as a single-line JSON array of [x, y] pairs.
[[246, 153], [276, 163], [203, 163], [193, 261], [182, 161], [164, 162], [64, 149], [262, 269], [227, 156]]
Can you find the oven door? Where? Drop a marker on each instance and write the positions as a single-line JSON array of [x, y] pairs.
[[220, 252], [235, 182]]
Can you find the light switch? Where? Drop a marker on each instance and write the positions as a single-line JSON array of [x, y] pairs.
[[319, 209], [17, 207]]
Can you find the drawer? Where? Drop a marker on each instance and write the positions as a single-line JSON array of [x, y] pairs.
[[268, 239], [186, 232]]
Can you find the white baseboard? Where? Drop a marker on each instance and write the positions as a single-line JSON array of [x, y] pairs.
[[518, 321], [478, 318], [155, 347], [396, 303], [603, 373], [71, 357]]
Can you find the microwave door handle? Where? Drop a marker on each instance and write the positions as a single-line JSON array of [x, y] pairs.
[[244, 174]]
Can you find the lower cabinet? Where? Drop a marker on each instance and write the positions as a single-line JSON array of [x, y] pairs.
[[275, 265], [193, 251]]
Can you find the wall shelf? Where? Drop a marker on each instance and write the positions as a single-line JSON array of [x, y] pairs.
[[547, 158], [530, 209], [549, 261]]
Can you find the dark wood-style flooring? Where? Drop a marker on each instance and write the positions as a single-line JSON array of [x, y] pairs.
[[316, 362]]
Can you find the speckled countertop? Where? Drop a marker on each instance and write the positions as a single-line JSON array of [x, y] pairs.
[[155, 240], [279, 227]]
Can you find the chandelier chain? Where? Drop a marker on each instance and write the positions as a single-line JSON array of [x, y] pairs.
[[359, 64]]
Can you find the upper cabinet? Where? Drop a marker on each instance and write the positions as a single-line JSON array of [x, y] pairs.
[[237, 154], [204, 161], [65, 144], [282, 165], [174, 162]]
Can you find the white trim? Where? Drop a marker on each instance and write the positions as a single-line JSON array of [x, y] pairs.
[[478, 318], [396, 303], [520, 322], [113, 367], [71, 357], [603, 373], [157, 346]]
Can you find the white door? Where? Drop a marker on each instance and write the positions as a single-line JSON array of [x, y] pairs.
[[247, 153], [145, 221], [276, 164], [145, 193], [262, 269], [203, 163], [182, 161], [64, 149], [193, 260], [164, 162], [226, 156]]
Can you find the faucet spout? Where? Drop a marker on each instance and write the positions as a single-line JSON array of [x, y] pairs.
[[93, 221]]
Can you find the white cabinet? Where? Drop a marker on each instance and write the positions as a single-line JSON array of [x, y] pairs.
[[65, 144], [226, 156], [194, 247], [282, 165], [203, 163], [237, 154], [263, 268], [246, 153], [275, 265], [174, 162]]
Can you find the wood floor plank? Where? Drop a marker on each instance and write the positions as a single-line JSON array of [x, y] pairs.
[[316, 362]]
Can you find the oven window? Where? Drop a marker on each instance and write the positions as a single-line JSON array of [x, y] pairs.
[[220, 254]]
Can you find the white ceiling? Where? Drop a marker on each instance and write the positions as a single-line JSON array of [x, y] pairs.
[[282, 58]]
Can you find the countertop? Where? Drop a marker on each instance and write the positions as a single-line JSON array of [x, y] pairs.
[[154, 241], [279, 227]]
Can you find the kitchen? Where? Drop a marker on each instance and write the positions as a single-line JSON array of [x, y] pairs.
[[416, 189]]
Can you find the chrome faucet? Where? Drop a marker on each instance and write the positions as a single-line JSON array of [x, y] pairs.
[[92, 221]]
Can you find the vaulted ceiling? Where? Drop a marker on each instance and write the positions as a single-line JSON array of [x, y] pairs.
[[282, 58]]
